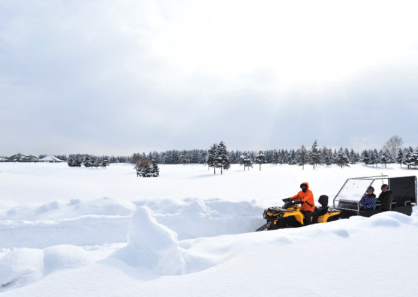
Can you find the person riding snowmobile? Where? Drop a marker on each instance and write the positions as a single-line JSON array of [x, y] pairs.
[[308, 203]]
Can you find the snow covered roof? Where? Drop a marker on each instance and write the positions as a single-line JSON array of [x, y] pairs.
[[50, 159], [15, 158], [29, 158], [21, 158]]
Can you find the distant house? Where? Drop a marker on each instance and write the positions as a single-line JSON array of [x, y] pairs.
[[50, 159], [21, 158], [15, 158]]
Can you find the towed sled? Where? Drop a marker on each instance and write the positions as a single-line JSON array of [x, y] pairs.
[[346, 203], [290, 216], [404, 191]]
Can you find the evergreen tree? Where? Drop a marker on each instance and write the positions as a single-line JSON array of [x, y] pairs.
[[324, 152], [352, 157], [222, 157], [302, 157], [105, 162], [341, 159], [275, 157], [414, 158], [385, 158], [357, 157], [71, 161], [334, 156], [246, 161], [375, 159], [194, 157], [97, 161], [260, 159], [399, 157], [184, 157], [328, 158], [88, 161], [411, 157], [347, 153], [212, 155], [285, 157], [269, 156], [155, 168], [314, 155], [175, 157], [293, 157], [203, 158], [365, 158]]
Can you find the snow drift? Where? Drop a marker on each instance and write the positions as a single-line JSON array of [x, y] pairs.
[[151, 245], [24, 266], [106, 220]]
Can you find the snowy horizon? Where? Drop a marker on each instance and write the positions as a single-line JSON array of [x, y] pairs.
[[130, 76]]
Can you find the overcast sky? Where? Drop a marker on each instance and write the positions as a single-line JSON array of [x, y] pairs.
[[117, 77]]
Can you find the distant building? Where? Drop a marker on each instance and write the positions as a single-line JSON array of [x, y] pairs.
[[21, 158], [50, 159]]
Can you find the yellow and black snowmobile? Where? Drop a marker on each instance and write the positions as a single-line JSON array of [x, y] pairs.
[[290, 216]]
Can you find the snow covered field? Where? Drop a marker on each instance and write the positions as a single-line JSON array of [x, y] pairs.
[[94, 232]]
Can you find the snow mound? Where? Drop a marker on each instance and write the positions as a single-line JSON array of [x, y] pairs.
[[75, 208], [87, 230], [106, 220], [24, 266], [387, 219], [105, 206], [21, 267], [65, 257], [151, 245], [194, 218]]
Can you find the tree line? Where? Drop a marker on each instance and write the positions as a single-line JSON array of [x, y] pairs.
[[89, 161], [217, 156]]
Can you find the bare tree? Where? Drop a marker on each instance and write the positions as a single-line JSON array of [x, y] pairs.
[[393, 145], [141, 165]]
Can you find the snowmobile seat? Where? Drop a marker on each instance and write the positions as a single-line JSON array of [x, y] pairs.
[[320, 211]]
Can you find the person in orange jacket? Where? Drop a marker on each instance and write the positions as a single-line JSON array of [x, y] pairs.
[[308, 203]]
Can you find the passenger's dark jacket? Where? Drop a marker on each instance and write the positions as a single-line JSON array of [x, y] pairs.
[[385, 199]]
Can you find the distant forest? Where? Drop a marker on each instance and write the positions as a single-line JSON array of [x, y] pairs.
[[390, 153]]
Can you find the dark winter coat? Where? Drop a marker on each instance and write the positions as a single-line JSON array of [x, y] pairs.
[[307, 198], [385, 199], [368, 201]]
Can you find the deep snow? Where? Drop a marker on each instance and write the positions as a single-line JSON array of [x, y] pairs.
[[91, 232]]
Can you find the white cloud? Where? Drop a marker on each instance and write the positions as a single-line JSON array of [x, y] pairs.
[[136, 75]]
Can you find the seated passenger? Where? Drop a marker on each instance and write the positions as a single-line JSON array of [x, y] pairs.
[[368, 201], [385, 198]]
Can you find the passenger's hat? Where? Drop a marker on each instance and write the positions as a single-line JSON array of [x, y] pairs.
[[370, 189], [384, 186]]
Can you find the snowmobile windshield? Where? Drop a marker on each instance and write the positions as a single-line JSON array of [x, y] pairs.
[[351, 193]]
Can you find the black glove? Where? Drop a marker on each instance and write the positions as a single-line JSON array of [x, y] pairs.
[[298, 202], [286, 199]]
